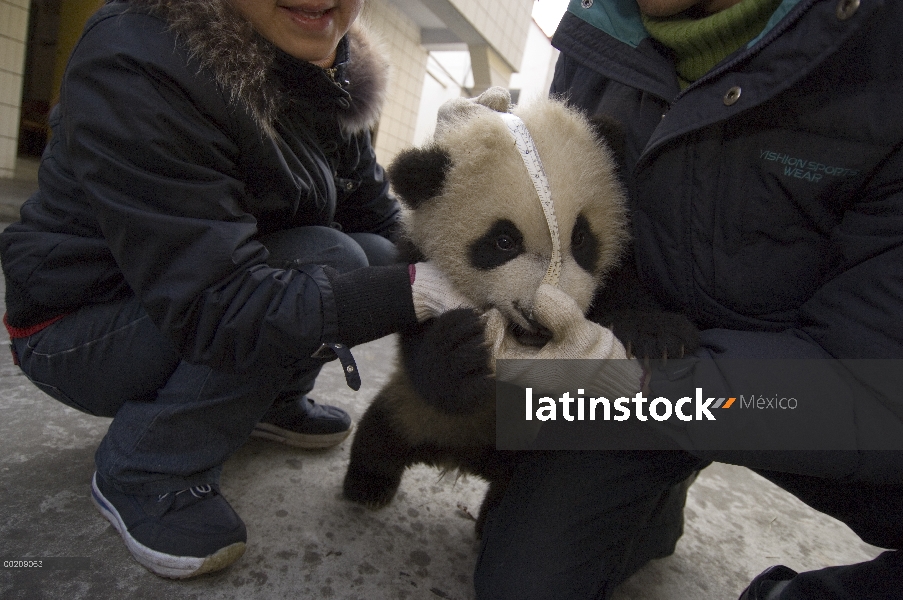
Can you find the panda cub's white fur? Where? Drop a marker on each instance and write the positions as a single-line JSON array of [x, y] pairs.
[[471, 208], [488, 182]]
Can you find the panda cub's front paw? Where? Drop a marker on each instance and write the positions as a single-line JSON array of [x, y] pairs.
[[449, 363]]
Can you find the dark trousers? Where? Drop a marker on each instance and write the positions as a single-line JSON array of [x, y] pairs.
[[174, 423], [573, 525]]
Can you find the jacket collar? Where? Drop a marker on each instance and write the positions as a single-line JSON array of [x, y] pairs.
[[259, 75], [625, 53], [621, 18], [796, 43]]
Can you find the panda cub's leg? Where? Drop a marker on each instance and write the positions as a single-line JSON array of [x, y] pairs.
[[379, 456]]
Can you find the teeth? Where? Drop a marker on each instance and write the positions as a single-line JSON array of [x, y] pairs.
[[310, 14]]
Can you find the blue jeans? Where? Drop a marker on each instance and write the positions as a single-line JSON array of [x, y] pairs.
[[573, 525], [174, 423]]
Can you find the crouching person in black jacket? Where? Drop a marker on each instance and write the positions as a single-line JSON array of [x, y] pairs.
[[211, 227], [764, 164]]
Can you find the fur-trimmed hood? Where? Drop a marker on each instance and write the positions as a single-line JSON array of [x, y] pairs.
[[243, 62]]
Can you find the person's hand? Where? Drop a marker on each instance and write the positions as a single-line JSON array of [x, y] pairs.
[[573, 336], [605, 370], [432, 292]]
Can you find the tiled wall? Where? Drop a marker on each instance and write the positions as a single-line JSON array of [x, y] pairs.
[[502, 22], [13, 31], [401, 38]]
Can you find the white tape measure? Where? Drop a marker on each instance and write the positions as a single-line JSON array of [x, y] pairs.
[[527, 148]]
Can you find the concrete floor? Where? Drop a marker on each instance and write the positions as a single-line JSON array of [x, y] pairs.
[[305, 541]]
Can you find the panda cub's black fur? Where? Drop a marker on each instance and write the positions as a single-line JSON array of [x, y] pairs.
[[472, 210]]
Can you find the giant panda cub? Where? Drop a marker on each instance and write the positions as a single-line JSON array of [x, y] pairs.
[[473, 210]]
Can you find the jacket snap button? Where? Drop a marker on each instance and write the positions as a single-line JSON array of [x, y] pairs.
[[586, 3], [846, 8], [732, 96]]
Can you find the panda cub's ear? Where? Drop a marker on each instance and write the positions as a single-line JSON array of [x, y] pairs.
[[418, 174], [612, 132]]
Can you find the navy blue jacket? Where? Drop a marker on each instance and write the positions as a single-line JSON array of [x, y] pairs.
[[179, 140], [766, 197]]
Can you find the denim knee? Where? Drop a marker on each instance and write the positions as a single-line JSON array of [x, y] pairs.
[[316, 246], [98, 358], [380, 251]]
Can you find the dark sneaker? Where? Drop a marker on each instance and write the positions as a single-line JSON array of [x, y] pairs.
[[176, 535], [769, 583], [304, 424]]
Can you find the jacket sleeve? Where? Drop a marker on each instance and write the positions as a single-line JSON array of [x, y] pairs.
[[844, 359], [152, 141]]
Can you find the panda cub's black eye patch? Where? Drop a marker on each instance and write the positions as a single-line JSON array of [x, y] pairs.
[[584, 245], [501, 243]]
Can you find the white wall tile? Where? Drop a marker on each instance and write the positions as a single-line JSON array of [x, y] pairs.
[[407, 57], [6, 18], [13, 32], [19, 23], [7, 156]]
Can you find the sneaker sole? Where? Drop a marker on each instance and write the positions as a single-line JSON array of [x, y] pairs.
[[300, 440], [160, 563]]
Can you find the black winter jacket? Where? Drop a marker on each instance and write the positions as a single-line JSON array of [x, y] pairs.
[[767, 197], [180, 137]]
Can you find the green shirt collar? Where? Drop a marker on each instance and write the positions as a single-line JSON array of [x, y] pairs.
[[622, 20]]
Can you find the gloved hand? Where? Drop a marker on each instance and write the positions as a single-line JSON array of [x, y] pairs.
[[608, 372], [433, 293]]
